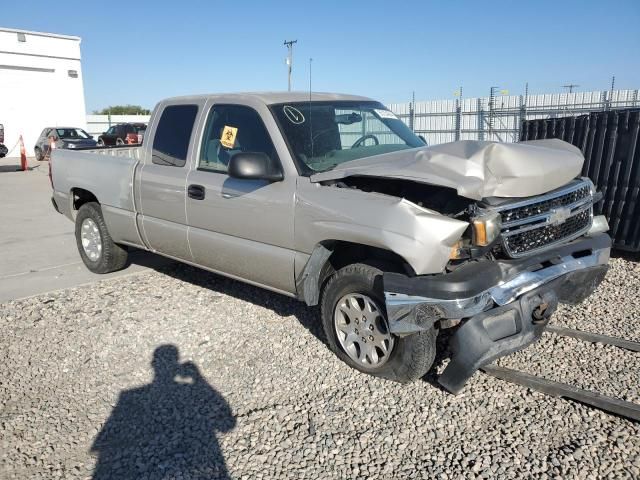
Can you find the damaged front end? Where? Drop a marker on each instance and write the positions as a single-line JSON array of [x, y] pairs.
[[549, 250]]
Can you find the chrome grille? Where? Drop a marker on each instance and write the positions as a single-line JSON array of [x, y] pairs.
[[545, 221]]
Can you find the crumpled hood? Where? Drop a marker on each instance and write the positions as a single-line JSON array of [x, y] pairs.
[[475, 169]]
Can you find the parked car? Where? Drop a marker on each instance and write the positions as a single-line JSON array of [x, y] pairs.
[[3, 149], [64, 137], [336, 202], [118, 134]]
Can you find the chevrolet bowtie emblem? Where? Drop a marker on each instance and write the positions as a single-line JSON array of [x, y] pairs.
[[559, 215]]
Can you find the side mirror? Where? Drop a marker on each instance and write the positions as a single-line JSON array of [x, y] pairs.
[[254, 166]]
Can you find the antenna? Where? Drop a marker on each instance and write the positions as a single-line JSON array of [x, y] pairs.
[[310, 61], [289, 45], [310, 112]]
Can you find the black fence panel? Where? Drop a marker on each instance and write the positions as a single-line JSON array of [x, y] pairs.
[[610, 142]]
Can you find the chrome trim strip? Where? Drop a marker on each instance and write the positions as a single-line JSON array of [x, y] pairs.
[[577, 185], [587, 201], [547, 223]]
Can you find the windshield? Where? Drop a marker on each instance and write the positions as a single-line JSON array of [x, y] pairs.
[[322, 135], [72, 133]]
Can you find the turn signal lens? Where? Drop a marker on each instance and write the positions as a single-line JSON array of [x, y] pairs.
[[486, 229]]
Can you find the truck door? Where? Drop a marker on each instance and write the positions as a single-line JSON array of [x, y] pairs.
[[163, 179], [240, 227]]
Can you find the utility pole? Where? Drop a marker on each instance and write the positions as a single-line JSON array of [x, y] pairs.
[[570, 87], [289, 45]]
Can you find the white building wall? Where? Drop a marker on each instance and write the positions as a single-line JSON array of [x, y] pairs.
[[36, 87]]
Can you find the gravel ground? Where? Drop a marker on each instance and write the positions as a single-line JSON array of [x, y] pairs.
[[184, 374]]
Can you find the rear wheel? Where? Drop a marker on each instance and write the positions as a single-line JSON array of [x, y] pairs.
[[355, 324], [119, 141], [98, 251]]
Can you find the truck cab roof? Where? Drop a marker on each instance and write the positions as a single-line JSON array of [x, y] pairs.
[[270, 98]]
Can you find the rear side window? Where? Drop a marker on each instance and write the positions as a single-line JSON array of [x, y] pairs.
[[171, 141], [233, 129]]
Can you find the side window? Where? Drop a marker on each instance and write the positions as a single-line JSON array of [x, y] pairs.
[[111, 130], [171, 140], [232, 129]]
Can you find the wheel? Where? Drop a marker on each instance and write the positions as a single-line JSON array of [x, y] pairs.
[[39, 155], [119, 141], [355, 324], [100, 142], [97, 250]]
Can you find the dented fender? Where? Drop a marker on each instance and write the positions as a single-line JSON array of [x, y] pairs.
[[422, 237]]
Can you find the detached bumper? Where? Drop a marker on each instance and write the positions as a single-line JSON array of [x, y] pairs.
[[505, 304]]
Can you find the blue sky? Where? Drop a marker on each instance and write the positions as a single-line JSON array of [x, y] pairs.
[[139, 52]]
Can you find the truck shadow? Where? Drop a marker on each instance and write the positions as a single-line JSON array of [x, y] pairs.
[[309, 317], [165, 429]]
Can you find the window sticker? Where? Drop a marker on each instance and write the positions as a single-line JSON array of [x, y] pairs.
[[385, 114], [228, 138], [294, 115]]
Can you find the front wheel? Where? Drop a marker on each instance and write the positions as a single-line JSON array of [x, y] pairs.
[[39, 155], [98, 251], [355, 324]]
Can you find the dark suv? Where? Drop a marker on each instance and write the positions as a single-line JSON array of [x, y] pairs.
[[117, 134]]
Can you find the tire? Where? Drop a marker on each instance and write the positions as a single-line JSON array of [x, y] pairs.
[[101, 255], [100, 142], [39, 155], [409, 357], [119, 141]]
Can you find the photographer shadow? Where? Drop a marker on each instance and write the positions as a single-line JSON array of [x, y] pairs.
[[166, 429]]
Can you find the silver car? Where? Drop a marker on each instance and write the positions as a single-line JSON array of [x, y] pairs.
[[63, 137]]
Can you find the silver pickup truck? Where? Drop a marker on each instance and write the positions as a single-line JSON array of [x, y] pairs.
[[331, 199]]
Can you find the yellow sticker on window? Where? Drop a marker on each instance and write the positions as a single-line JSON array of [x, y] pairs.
[[228, 138]]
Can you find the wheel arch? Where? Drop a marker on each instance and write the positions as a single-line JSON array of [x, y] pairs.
[[79, 196], [329, 256]]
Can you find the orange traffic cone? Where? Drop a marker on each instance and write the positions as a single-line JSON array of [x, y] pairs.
[[23, 156]]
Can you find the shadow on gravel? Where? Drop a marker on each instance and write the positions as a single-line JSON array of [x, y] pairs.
[[166, 429], [625, 255], [309, 317], [285, 306]]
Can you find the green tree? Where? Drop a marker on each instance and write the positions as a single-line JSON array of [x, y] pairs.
[[123, 110]]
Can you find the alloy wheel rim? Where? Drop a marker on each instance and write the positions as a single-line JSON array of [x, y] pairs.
[[362, 330], [91, 239]]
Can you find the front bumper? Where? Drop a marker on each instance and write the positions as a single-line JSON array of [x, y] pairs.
[[497, 301]]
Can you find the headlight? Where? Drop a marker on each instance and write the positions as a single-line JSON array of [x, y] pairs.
[[71, 145], [486, 228]]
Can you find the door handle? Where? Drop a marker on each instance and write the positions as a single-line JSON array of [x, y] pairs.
[[196, 192]]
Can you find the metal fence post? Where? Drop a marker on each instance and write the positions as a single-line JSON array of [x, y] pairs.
[[523, 116], [480, 120], [458, 119], [412, 116]]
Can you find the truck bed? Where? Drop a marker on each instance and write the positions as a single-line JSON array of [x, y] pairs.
[[110, 179]]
